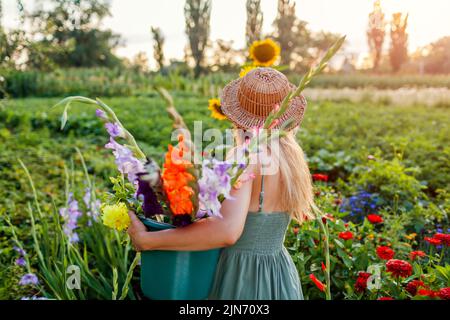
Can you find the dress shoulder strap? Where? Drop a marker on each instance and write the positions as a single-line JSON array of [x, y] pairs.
[[261, 194]]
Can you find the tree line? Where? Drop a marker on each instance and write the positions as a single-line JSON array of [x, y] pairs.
[[68, 33]]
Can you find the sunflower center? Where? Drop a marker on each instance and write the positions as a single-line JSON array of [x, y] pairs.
[[264, 52]]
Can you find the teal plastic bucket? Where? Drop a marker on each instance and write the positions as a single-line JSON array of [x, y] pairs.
[[176, 275]]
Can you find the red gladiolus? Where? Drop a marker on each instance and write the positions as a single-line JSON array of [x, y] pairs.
[[347, 235], [385, 298], [374, 218], [413, 286], [385, 253], [433, 241], [444, 293], [361, 281], [427, 293], [444, 238], [317, 282], [320, 177], [414, 254], [399, 268]]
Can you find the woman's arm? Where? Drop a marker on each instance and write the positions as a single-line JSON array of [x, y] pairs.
[[204, 234]]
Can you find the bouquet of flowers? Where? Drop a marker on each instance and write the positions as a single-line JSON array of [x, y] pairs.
[[183, 190]]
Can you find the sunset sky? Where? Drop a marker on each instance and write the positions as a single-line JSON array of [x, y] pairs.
[[429, 20]]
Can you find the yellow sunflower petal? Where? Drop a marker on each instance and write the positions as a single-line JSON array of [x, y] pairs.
[[216, 111], [246, 70], [265, 52]]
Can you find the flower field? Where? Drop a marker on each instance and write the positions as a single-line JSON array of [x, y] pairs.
[[381, 175]]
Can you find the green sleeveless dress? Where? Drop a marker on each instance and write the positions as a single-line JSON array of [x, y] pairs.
[[258, 266]]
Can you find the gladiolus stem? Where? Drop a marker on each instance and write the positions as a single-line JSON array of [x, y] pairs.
[[326, 246], [306, 79]]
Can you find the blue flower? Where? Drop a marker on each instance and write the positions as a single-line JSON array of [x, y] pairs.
[[21, 262], [29, 279], [101, 114], [114, 130]]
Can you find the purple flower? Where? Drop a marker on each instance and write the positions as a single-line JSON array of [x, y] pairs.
[[29, 279], [150, 204], [20, 251], [182, 220], [214, 183], [21, 262], [126, 163], [33, 298], [70, 215], [101, 114], [114, 130], [92, 206]]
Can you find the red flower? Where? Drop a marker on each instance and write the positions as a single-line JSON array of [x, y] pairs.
[[327, 217], [320, 177], [295, 230], [444, 293], [347, 235], [324, 268], [399, 268], [374, 218], [317, 282], [414, 254], [385, 298], [433, 241], [361, 281], [427, 293], [385, 253], [444, 238], [413, 286]]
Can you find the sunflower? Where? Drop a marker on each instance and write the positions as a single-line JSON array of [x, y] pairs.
[[264, 53], [246, 70], [216, 110]]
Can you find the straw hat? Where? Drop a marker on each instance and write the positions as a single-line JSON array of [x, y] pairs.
[[248, 101]]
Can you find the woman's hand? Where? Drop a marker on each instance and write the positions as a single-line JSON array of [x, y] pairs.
[[137, 232]]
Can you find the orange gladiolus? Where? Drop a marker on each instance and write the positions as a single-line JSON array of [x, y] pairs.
[[176, 179], [180, 200]]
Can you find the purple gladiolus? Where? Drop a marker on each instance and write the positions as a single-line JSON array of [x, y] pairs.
[[29, 279], [182, 220], [150, 204], [101, 114], [20, 251], [114, 130], [125, 161], [70, 215], [92, 206], [21, 262], [215, 182], [33, 298]]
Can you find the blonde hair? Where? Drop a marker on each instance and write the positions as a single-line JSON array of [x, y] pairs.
[[296, 183], [297, 189]]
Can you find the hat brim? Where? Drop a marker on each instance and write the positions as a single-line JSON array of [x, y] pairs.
[[243, 119]]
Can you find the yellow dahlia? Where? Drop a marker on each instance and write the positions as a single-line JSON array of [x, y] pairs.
[[216, 110], [264, 53], [246, 70], [116, 216]]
